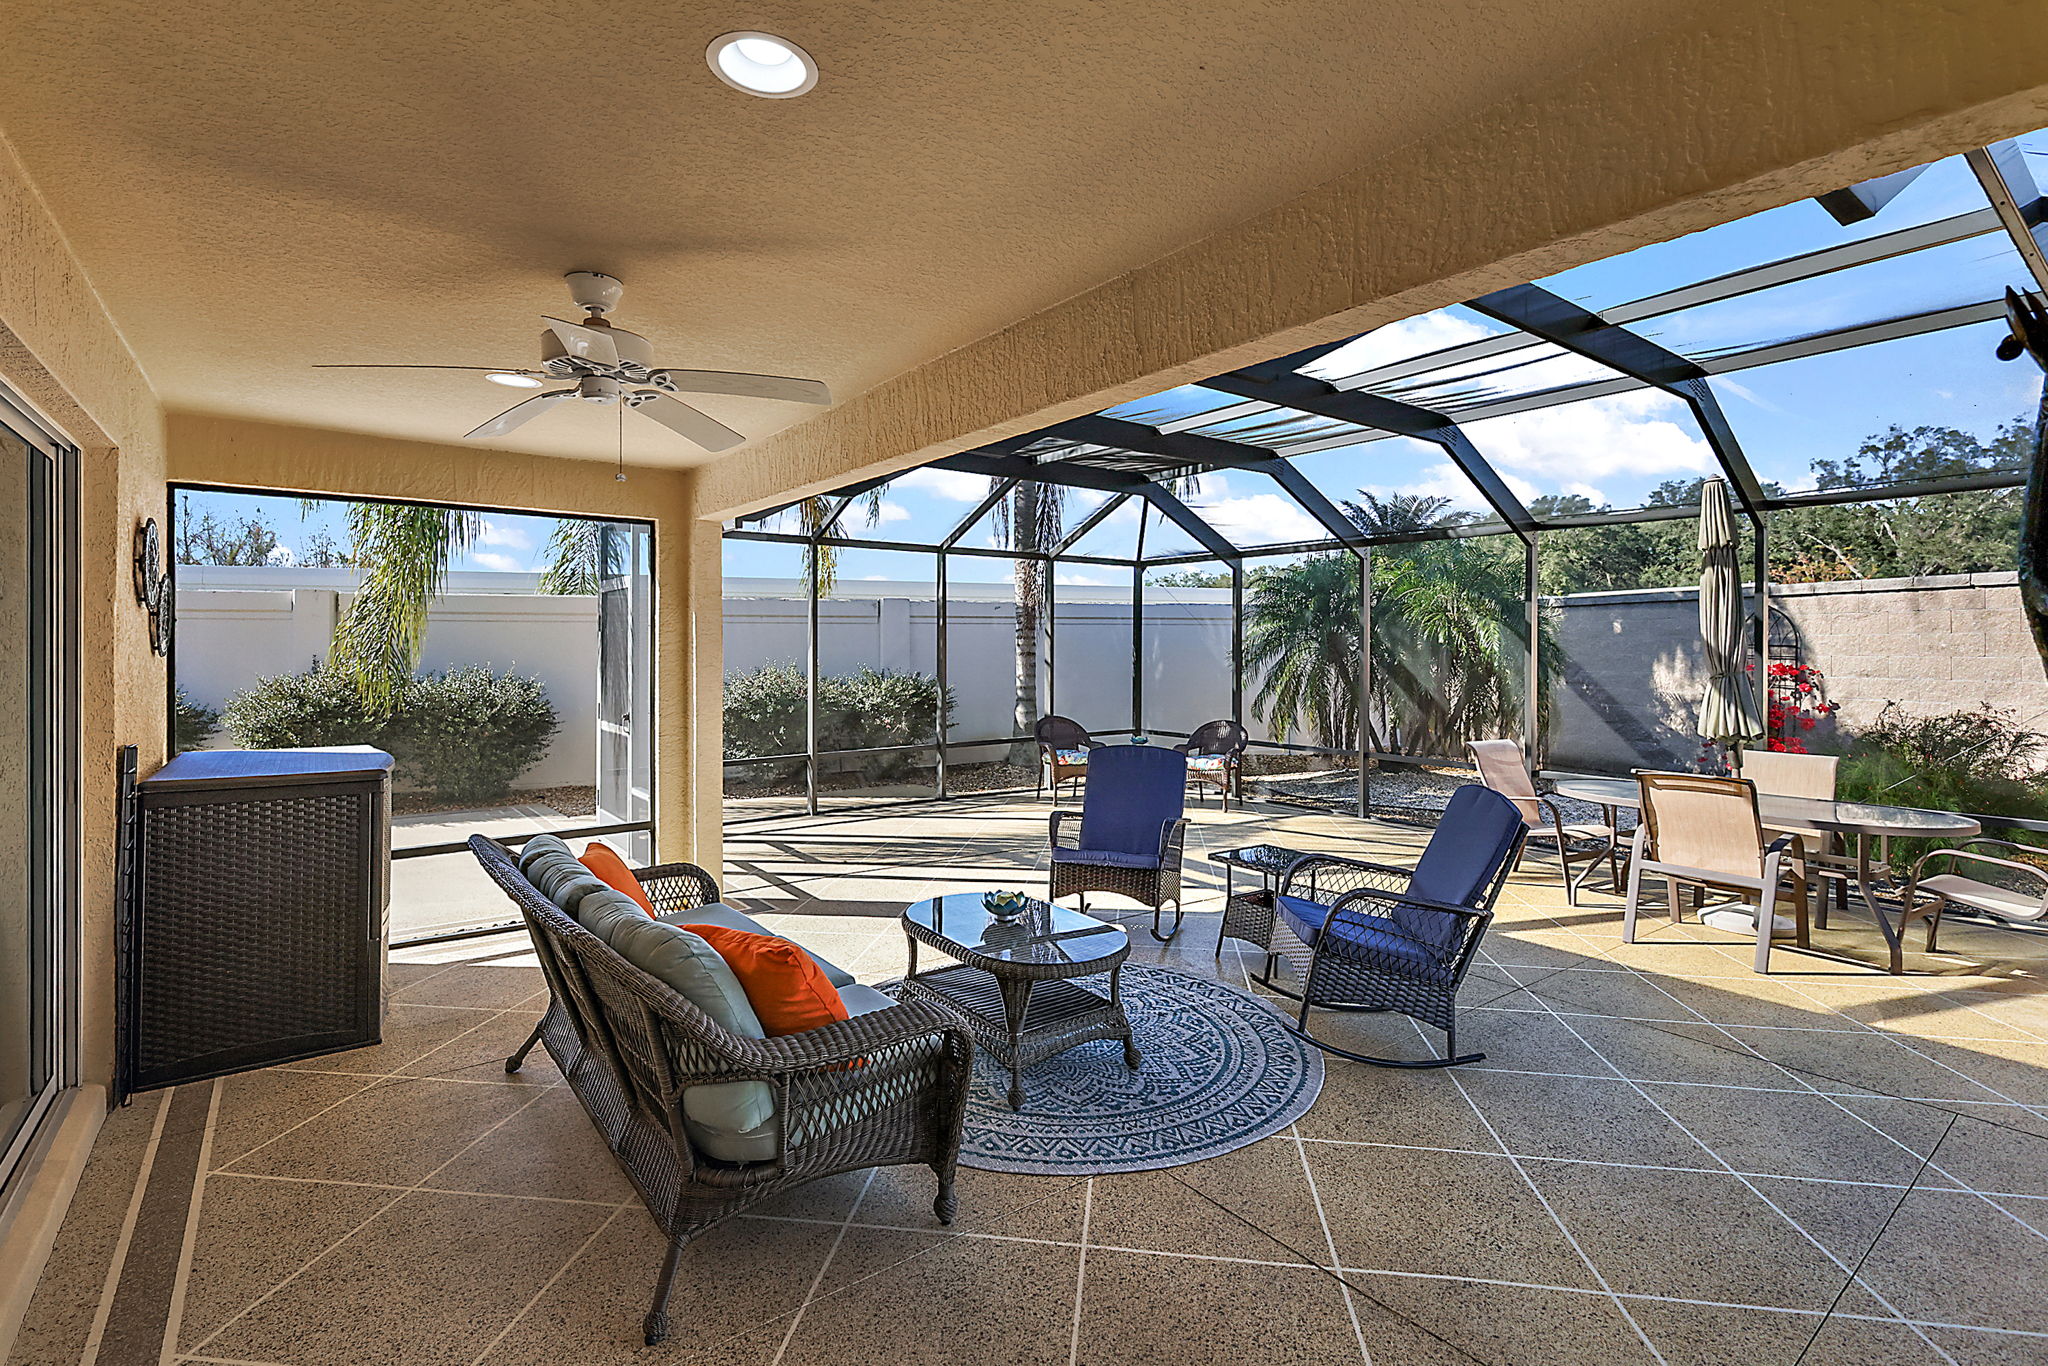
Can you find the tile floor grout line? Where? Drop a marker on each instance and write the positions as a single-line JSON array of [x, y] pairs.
[[1853, 1277], [433, 1190], [1081, 1274], [174, 1317], [811, 1293], [1856, 1271], [546, 1286], [1315, 1195], [241, 1313], [119, 1257]]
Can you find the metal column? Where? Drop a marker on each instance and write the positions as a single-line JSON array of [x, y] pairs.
[[1237, 641], [811, 687], [1532, 725], [1364, 721], [1049, 612], [1138, 629], [944, 722]]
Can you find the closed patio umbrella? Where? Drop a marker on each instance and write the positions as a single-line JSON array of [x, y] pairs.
[[1728, 712]]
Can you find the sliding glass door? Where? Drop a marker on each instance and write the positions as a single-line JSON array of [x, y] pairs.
[[36, 795]]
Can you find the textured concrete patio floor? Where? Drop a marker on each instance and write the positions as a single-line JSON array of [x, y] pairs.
[[1663, 1158]]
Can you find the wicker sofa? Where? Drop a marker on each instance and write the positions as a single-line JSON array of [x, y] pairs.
[[887, 1087]]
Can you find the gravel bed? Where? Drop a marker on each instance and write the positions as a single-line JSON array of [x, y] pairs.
[[1420, 792]]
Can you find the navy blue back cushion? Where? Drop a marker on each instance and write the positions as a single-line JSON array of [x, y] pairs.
[[1471, 843], [1133, 790]]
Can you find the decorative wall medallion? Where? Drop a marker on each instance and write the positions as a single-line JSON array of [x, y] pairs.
[[152, 585]]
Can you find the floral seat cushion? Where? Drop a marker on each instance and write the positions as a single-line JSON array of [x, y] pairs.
[[1207, 763], [1071, 758]]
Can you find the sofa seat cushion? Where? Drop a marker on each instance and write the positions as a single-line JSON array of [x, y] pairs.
[[1372, 939], [1105, 858], [786, 987], [718, 913]]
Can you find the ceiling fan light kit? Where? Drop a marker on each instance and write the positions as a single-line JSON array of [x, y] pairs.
[[606, 365]]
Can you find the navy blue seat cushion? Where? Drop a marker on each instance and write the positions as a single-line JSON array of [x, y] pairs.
[[1105, 858], [1357, 935], [1133, 791], [1471, 843]]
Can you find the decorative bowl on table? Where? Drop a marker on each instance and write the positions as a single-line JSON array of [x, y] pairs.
[[1005, 905]]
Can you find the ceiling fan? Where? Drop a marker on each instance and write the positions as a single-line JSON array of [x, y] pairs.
[[600, 363]]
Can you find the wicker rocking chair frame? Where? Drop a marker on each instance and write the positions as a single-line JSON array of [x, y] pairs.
[[1152, 887], [629, 1048]]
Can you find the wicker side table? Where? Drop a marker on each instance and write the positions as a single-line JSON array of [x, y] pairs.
[[1013, 982], [1248, 916]]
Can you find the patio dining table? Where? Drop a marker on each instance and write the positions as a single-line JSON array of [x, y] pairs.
[[1863, 820]]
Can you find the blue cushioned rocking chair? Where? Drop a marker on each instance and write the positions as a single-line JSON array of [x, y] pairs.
[[1131, 831], [1376, 938]]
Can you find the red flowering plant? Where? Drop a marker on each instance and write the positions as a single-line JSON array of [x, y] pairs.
[[1795, 701]]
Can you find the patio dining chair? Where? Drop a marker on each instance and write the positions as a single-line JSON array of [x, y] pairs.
[[1502, 768], [1705, 832], [1063, 749], [2021, 898], [1780, 774], [1216, 757], [1373, 937], [1131, 829]]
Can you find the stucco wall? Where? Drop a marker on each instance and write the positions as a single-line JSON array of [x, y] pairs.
[[1633, 677]]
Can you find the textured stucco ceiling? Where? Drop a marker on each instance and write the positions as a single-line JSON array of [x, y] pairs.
[[254, 187]]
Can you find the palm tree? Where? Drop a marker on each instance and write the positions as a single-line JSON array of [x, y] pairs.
[[1301, 636], [581, 555], [1031, 520], [403, 550]]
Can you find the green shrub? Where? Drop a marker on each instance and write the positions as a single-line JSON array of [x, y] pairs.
[[464, 735], [764, 714], [1972, 761], [191, 724], [467, 733]]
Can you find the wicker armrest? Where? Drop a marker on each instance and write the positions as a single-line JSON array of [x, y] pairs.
[[1393, 898], [677, 886], [1310, 863], [1053, 825], [837, 1044]]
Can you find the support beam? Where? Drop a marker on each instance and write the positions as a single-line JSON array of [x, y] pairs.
[[1090, 522], [1558, 320], [966, 524], [2009, 184]]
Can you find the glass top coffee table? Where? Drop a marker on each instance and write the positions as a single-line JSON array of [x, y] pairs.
[[1014, 979]]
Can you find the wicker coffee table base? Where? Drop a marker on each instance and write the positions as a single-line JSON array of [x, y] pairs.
[[1021, 1021]]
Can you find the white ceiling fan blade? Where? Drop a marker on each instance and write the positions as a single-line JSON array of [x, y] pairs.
[[585, 343], [521, 413], [745, 385], [685, 421]]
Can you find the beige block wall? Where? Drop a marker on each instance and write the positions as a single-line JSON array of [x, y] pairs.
[[237, 453], [60, 351]]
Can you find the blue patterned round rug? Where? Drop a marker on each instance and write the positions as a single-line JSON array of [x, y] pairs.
[[1219, 1071]]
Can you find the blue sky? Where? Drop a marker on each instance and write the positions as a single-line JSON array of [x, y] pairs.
[[1613, 450]]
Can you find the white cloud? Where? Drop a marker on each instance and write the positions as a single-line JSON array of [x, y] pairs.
[[1749, 395], [874, 578], [1575, 444], [1445, 480], [1252, 519], [485, 559], [952, 484], [502, 534], [281, 554], [1410, 337], [1079, 580], [888, 512]]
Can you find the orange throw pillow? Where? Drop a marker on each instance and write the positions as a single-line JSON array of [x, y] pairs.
[[605, 864], [789, 992]]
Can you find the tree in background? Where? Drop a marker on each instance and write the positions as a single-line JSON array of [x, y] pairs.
[[205, 538], [1030, 519], [404, 550], [581, 555], [1301, 640]]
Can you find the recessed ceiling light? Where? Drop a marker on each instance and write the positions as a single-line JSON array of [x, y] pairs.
[[512, 379], [762, 64]]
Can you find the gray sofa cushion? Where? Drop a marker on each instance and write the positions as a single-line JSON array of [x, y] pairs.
[[538, 845], [602, 910], [718, 913]]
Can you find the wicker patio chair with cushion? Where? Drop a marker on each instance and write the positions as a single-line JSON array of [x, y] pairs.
[[1063, 748], [1502, 768], [1131, 830], [887, 1087], [1705, 832], [1216, 757], [2020, 898], [1371, 937]]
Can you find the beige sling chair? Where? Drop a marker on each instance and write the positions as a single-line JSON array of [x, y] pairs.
[[1705, 832], [1501, 768], [1777, 774]]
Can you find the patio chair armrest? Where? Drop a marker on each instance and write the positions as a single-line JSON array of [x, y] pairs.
[[834, 1045], [677, 886], [1783, 843], [1392, 898], [1965, 854], [1172, 837], [1310, 863], [1053, 829]]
